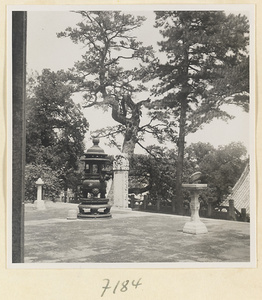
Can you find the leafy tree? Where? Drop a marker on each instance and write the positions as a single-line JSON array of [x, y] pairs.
[[194, 157], [55, 127], [206, 67], [154, 173], [104, 76], [221, 168]]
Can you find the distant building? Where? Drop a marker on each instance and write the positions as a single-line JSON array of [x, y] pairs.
[[241, 192]]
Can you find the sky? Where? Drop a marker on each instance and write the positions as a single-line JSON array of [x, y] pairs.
[[45, 50]]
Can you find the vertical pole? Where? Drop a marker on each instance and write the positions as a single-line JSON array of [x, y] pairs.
[[145, 201], [158, 204], [209, 209], [231, 211], [18, 128], [132, 201], [243, 214]]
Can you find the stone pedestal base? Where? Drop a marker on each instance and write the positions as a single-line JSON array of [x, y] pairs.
[[195, 227], [93, 216], [94, 208], [39, 205]]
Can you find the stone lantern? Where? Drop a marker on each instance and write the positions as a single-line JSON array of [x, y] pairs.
[[39, 203], [93, 184]]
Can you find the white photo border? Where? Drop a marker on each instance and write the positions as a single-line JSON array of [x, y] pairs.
[[234, 7]]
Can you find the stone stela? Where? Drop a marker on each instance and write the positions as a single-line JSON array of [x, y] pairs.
[[120, 182], [195, 226]]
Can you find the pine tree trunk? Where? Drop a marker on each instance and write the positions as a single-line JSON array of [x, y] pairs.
[[131, 133], [130, 139], [177, 204], [129, 147]]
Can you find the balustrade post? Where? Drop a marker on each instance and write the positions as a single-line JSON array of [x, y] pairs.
[[231, 211], [145, 202]]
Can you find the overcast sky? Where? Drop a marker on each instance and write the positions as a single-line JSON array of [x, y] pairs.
[[45, 50]]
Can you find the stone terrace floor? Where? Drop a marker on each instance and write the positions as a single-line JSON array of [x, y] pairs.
[[129, 237]]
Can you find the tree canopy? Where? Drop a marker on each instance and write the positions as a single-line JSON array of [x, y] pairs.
[[55, 126], [206, 67], [111, 71], [220, 167]]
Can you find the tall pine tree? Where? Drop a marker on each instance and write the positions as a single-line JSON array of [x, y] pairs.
[[207, 66], [111, 71]]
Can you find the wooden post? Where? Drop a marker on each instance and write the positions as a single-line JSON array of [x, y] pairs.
[[243, 214], [209, 209], [132, 201], [158, 202], [18, 142], [145, 202], [231, 211]]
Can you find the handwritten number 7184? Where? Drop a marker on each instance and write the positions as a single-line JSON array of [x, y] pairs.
[[121, 286]]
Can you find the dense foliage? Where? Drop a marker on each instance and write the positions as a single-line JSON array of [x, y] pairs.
[[220, 168], [55, 130], [52, 185], [154, 174]]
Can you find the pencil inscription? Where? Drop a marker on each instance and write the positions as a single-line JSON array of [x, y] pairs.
[[122, 286]]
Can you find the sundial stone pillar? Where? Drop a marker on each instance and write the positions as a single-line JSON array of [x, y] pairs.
[[120, 181], [195, 226]]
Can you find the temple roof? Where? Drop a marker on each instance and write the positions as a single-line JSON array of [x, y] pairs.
[[241, 192]]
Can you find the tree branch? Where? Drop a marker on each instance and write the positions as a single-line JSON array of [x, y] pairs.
[[150, 153]]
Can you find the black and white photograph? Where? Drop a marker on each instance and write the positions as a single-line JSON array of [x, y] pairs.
[[131, 137]]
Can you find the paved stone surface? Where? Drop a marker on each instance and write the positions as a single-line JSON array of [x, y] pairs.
[[129, 236]]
